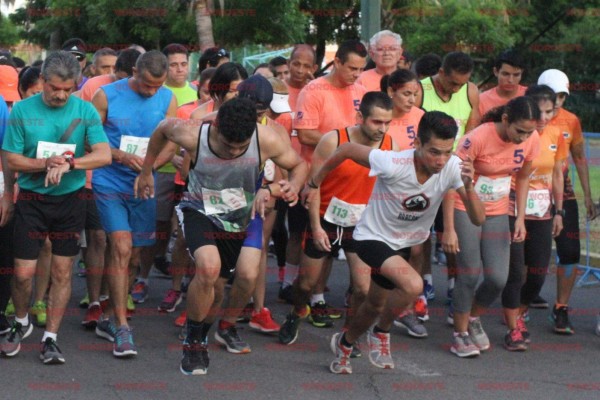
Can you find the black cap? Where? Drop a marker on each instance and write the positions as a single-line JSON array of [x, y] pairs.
[[258, 89]]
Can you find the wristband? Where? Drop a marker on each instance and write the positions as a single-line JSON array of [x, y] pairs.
[[311, 184], [267, 187]]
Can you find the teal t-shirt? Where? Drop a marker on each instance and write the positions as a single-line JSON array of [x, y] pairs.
[[34, 130]]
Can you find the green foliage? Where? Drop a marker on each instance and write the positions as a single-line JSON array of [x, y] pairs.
[[9, 33]]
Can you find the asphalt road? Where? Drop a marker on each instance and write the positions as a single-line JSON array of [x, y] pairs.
[[555, 367]]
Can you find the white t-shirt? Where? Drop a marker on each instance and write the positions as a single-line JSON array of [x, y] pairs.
[[401, 210]]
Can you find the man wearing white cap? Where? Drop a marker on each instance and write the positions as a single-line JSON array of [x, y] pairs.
[[568, 246]]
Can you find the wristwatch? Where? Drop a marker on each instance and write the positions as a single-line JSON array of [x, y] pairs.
[[560, 212]]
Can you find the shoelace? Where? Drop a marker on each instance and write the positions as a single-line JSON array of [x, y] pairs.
[[521, 325], [476, 327], [384, 347], [123, 335], [16, 329], [233, 333], [515, 335]]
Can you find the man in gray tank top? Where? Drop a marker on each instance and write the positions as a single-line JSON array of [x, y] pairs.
[[227, 159]]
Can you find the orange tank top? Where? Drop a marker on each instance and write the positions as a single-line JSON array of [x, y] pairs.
[[349, 181]]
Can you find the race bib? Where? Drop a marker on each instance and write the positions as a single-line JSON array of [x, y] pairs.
[[269, 171], [223, 201], [492, 189], [343, 214], [134, 145], [49, 149], [538, 202]]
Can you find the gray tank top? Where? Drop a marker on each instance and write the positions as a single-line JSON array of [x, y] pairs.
[[223, 189]]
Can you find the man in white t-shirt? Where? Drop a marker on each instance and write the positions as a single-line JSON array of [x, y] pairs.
[[409, 189]]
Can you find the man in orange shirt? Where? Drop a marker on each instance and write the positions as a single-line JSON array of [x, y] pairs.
[[568, 247], [385, 49], [326, 104], [508, 69]]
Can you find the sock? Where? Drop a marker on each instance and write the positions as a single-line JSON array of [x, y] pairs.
[[451, 283], [317, 297], [94, 303], [291, 272], [23, 321], [142, 280], [204, 331], [48, 335], [103, 297], [344, 342], [456, 334], [225, 325], [194, 330], [377, 329], [428, 278]]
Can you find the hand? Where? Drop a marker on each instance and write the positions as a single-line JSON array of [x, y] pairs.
[[177, 162], [54, 161], [557, 225], [54, 174], [450, 242], [7, 208], [132, 161], [289, 192], [259, 204], [143, 187], [592, 212], [520, 231], [308, 194], [467, 172], [321, 239]]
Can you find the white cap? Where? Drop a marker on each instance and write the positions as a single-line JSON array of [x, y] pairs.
[[557, 80], [280, 103]]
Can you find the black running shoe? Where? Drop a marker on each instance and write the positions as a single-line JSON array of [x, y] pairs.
[[319, 315], [288, 333], [50, 353], [195, 358], [560, 316]]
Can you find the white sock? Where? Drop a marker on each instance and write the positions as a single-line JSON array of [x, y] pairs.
[[103, 297], [317, 297], [48, 335], [428, 278], [23, 321], [451, 283], [291, 272], [94, 303]]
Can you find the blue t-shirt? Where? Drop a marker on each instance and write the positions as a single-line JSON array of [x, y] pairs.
[[3, 118], [34, 130], [133, 115]]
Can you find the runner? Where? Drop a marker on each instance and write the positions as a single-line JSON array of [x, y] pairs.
[[385, 49], [568, 246], [545, 190], [499, 150], [336, 208], [130, 109], [31, 152], [409, 188], [227, 161]]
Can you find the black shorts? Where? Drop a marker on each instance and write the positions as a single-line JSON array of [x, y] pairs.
[[438, 224], [198, 230], [568, 244], [374, 253], [59, 218], [92, 218], [347, 242], [297, 219]]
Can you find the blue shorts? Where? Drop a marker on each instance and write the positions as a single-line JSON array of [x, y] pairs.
[[123, 212], [255, 233]]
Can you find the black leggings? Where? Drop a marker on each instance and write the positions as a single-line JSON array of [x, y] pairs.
[[534, 254], [7, 262]]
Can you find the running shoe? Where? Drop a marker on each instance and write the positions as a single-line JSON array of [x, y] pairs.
[[341, 255], [50, 352], [379, 350], [319, 316], [522, 327], [478, 335], [232, 341], [513, 341], [10, 344], [450, 315], [39, 314], [560, 317], [130, 307], [106, 329], [139, 294], [421, 309], [463, 346], [10, 309], [195, 358], [180, 321], [246, 314], [333, 313], [171, 301], [428, 290], [85, 302], [4, 324], [92, 315], [341, 364], [263, 321], [412, 324], [81, 271], [288, 333], [123, 345], [285, 294], [539, 302]]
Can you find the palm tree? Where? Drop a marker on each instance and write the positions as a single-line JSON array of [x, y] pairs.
[[203, 11]]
